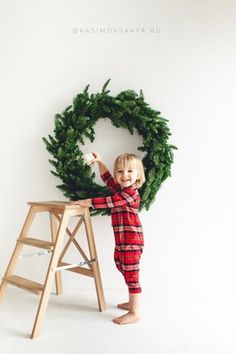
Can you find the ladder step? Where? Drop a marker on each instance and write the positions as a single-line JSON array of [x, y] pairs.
[[25, 284], [80, 270], [37, 243]]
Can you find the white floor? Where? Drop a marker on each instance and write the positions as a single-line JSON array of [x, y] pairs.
[[173, 322]]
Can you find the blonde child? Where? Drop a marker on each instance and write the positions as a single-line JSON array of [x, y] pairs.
[[124, 205]]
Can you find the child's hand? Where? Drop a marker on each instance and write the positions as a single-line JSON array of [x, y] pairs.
[[97, 157], [84, 202]]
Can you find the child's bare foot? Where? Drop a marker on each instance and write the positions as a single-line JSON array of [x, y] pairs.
[[124, 306], [128, 318]]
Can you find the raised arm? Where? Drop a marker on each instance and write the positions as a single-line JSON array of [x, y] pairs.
[[110, 182], [101, 164], [105, 174]]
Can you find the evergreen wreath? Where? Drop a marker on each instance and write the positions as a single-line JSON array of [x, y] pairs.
[[127, 110]]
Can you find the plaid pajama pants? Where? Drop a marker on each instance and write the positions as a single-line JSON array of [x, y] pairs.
[[127, 262], [129, 246]]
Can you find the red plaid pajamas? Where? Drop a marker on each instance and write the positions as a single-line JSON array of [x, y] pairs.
[[124, 205]]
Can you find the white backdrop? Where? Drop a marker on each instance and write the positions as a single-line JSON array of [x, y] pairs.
[[50, 50]]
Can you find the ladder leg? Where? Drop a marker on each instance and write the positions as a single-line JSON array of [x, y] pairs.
[[50, 275], [95, 265], [15, 256], [53, 224]]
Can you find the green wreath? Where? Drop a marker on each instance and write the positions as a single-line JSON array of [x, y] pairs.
[[127, 110]]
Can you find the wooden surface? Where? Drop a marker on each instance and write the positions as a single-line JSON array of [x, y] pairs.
[[57, 204]]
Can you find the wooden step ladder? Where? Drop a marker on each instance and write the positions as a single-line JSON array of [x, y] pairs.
[[60, 213]]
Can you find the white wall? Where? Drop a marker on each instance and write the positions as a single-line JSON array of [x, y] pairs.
[[186, 70]]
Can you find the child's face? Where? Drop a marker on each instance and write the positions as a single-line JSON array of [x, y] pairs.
[[126, 176]]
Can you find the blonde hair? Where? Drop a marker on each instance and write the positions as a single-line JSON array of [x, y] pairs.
[[133, 161]]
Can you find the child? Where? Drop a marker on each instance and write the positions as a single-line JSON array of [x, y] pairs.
[[124, 205]]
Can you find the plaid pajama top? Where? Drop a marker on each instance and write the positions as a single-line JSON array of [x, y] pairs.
[[124, 205]]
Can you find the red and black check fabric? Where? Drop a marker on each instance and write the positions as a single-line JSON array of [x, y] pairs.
[[124, 205]]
